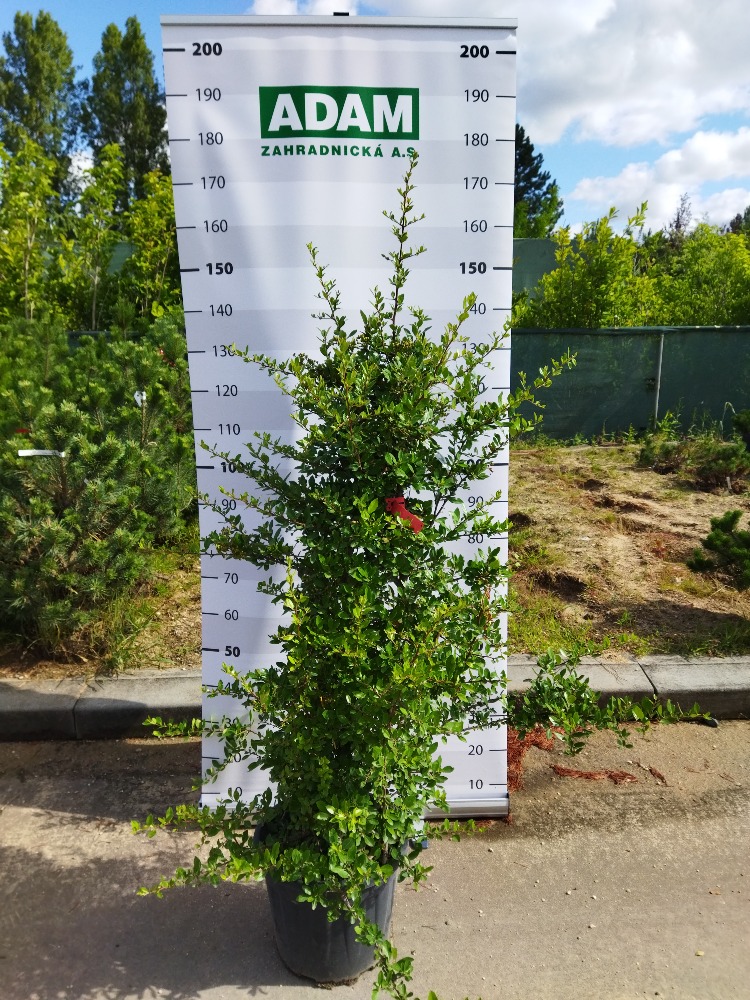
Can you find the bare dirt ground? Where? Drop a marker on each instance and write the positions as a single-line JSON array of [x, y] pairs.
[[606, 540], [597, 540]]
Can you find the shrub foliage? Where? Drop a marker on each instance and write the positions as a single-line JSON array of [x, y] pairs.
[[729, 546], [113, 416]]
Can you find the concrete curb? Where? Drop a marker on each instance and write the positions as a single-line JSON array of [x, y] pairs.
[[720, 687], [112, 707], [99, 708]]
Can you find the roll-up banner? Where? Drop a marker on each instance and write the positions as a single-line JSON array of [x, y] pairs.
[[286, 131]]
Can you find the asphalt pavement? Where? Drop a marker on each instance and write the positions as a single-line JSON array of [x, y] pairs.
[[595, 890]]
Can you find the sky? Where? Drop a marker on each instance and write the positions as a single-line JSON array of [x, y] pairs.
[[627, 100]]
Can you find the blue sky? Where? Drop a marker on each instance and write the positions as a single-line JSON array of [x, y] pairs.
[[627, 100]]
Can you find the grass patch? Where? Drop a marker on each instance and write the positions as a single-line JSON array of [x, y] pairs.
[[732, 639], [637, 595], [529, 553], [537, 621], [102, 646], [120, 635], [677, 578], [111, 637]]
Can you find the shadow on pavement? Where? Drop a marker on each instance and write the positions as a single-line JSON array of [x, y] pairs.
[[80, 933], [119, 779], [71, 924]]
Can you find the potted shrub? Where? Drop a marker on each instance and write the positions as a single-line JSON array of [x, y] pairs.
[[390, 634]]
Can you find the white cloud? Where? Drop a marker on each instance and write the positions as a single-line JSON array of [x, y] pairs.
[[631, 71], [722, 206], [707, 157], [273, 7], [623, 72], [440, 8]]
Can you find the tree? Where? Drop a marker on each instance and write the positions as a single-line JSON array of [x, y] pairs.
[[601, 280], [708, 282], [679, 224], [604, 279], [125, 107], [538, 205], [39, 97], [150, 279], [665, 247], [741, 222], [28, 216], [86, 251]]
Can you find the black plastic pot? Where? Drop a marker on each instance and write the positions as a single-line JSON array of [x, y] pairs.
[[312, 946]]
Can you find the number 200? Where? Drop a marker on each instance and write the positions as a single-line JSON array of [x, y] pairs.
[[475, 51], [207, 48]]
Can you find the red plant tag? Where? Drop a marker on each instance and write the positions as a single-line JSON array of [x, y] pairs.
[[397, 505]]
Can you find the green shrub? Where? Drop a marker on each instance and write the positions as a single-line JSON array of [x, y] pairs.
[[713, 463], [730, 546], [702, 458], [741, 425], [104, 376], [70, 530], [32, 353], [74, 524]]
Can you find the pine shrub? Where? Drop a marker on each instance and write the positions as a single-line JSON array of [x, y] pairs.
[[71, 535], [730, 546], [114, 412]]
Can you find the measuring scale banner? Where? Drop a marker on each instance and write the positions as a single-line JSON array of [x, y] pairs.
[[286, 131]]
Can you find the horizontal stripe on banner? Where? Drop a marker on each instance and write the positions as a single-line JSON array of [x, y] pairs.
[[431, 290], [247, 245], [262, 331], [310, 203]]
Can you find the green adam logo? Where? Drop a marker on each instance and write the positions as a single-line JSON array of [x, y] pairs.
[[339, 112]]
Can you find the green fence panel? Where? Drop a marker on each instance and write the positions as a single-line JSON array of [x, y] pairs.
[[627, 378], [703, 370]]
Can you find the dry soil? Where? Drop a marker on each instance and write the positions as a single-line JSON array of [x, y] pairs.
[[597, 538]]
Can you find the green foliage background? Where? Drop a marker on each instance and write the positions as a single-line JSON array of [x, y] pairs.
[[609, 279], [94, 250]]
